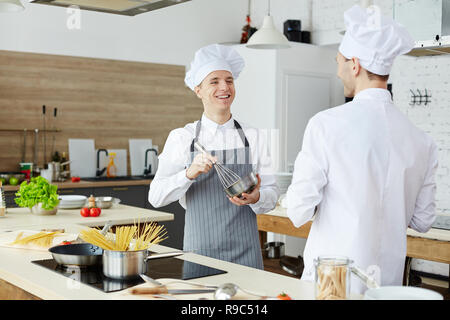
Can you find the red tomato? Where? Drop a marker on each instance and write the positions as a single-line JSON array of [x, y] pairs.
[[85, 212], [65, 242], [76, 179], [95, 212]]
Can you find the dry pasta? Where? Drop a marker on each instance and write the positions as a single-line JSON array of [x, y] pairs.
[[331, 282], [41, 239], [127, 238]]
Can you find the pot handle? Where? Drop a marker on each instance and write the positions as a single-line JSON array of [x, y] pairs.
[[368, 280], [106, 228]]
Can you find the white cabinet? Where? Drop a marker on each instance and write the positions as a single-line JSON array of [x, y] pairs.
[[280, 90]]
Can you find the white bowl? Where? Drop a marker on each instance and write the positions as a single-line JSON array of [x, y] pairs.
[[72, 202], [401, 293]]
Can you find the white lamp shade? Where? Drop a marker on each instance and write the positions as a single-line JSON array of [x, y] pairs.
[[268, 37], [11, 6]]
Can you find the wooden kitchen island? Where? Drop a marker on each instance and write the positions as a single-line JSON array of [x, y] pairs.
[[22, 279]]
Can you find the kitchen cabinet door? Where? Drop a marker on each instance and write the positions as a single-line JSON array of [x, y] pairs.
[[128, 195]]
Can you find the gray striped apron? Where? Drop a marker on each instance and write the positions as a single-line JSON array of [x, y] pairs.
[[215, 227]]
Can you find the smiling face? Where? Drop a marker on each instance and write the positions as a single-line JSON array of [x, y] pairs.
[[217, 92]]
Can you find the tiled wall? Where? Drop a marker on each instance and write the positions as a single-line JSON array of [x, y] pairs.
[[431, 73]]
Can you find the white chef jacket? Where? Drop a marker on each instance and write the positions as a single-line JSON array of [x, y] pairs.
[[370, 172], [170, 183]]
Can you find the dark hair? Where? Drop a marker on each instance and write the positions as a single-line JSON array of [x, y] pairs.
[[373, 76]]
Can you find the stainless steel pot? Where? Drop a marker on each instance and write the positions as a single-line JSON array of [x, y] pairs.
[[244, 185], [125, 265], [274, 250]]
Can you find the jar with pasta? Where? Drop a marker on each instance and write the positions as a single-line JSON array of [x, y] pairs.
[[332, 277]]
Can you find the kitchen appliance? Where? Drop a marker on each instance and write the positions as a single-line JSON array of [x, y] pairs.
[[121, 7], [93, 276], [292, 29], [274, 250], [124, 265], [77, 254]]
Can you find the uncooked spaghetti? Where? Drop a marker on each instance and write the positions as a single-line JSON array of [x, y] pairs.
[[332, 282], [126, 238], [41, 239]]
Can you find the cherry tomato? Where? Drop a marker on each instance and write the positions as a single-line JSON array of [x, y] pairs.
[[85, 212], [65, 242], [284, 296], [95, 212]]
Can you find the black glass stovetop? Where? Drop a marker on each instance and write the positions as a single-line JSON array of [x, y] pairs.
[[173, 268]]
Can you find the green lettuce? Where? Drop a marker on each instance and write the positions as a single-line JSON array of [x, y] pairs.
[[38, 190]]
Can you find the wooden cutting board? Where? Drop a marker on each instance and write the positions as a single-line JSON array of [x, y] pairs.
[[7, 238]]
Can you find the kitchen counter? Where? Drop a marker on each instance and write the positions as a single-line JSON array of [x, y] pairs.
[[89, 184], [433, 245], [17, 271]]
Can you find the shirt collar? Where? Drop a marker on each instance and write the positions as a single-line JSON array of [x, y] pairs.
[[374, 94], [214, 126]]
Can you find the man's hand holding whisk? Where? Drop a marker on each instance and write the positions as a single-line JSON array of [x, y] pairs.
[[202, 163]]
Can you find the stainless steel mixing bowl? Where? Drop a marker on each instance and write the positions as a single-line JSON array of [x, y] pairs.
[[244, 185]]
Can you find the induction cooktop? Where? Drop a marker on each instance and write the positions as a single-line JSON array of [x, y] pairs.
[[173, 268]]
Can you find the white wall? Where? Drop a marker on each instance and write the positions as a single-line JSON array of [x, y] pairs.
[[169, 35]]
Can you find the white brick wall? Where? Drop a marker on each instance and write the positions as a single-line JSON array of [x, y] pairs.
[[431, 73]]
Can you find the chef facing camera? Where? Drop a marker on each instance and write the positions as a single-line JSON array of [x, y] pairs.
[[365, 172], [216, 225]]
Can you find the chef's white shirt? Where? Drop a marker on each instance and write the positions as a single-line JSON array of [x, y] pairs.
[[170, 182], [370, 172]]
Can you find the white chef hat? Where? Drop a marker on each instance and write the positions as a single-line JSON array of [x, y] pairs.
[[212, 58], [374, 39]]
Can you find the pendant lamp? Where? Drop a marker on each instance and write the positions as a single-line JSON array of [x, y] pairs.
[[268, 37], [11, 6]]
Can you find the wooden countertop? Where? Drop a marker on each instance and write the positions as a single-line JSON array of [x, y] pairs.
[[433, 245], [91, 184], [17, 270]]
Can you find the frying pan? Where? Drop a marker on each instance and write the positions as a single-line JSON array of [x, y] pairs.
[[79, 254]]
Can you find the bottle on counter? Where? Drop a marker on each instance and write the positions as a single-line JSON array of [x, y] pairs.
[[91, 200], [111, 170]]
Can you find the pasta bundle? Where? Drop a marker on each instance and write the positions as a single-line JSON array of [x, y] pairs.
[[126, 238], [41, 239], [331, 282]]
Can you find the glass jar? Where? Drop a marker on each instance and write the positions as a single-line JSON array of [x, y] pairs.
[[332, 277]]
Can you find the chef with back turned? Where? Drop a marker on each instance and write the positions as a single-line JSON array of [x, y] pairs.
[[215, 225], [365, 172]]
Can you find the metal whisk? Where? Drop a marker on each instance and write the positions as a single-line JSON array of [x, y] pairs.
[[226, 176]]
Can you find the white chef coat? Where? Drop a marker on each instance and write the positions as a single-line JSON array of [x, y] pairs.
[[170, 183], [370, 172]]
